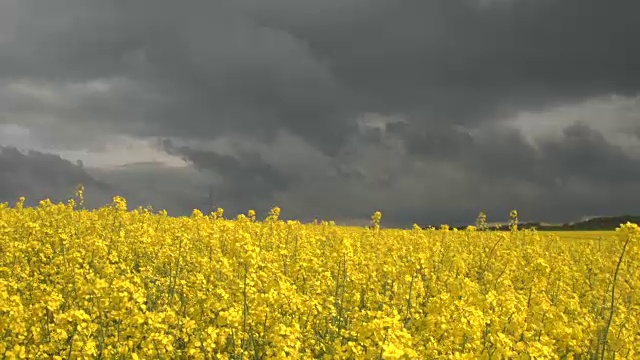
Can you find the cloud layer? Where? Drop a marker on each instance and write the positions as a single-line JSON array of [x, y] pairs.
[[430, 110]]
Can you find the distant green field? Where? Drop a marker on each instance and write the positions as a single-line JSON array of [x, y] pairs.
[[580, 235]]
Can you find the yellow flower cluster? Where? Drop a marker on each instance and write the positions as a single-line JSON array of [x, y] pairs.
[[113, 283]]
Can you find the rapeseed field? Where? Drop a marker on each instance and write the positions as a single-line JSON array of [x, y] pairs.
[[118, 284]]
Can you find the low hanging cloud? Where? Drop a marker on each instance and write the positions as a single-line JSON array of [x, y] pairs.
[[39, 176], [238, 182], [430, 110]]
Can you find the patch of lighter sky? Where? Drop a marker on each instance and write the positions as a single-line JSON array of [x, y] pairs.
[[29, 107], [376, 120], [118, 151], [124, 151], [63, 93], [616, 117]]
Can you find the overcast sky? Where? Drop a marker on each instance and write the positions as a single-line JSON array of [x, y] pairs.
[[428, 110]]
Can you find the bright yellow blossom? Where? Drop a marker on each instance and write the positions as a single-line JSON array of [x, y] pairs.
[[114, 283]]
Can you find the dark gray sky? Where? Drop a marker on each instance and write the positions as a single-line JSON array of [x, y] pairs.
[[428, 110]]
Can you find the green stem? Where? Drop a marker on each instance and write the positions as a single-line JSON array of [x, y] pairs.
[[613, 294]]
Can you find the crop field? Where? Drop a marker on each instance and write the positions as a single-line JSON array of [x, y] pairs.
[[580, 235], [118, 284]]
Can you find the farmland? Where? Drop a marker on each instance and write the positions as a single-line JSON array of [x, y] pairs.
[[114, 283]]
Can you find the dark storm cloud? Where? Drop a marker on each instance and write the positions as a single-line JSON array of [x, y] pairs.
[[461, 61], [310, 67], [452, 71], [554, 179], [177, 190], [37, 176], [213, 69], [580, 151], [244, 180], [585, 153]]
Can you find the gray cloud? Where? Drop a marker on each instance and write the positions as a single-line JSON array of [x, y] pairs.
[[37, 176], [461, 61], [214, 70], [248, 62], [178, 190], [238, 182], [311, 67], [440, 83], [584, 152]]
